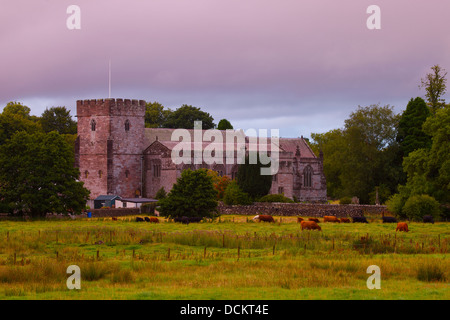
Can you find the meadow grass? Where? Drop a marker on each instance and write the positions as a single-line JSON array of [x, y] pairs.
[[230, 258]]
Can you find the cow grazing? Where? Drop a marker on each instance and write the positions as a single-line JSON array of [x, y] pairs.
[[139, 219], [310, 225], [187, 220], [402, 226], [314, 219], [299, 219], [114, 218], [389, 219], [263, 217], [345, 220], [428, 219], [152, 219], [331, 219], [360, 219]]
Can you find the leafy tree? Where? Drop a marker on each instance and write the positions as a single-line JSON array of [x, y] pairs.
[[14, 118], [334, 147], [234, 195], [193, 195], [58, 119], [410, 134], [14, 107], [250, 179], [224, 124], [362, 155], [220, 183], [155, 115], [185, 116], [435, 84], [37, 175]]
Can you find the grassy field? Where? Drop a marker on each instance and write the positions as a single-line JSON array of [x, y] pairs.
[[231, 258]]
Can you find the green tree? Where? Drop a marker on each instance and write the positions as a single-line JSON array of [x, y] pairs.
[[58, 119], [14, 118], [435, 84], [334, 147], [193, 195], [37, 175], [250, 179], [362, 155], [224, 124], [185, 116], [410, 135], [234, 195], [155, 115]]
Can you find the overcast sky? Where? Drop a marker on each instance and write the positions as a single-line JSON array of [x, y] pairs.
[[299, 66]]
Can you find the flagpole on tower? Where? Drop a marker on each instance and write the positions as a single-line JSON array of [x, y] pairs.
[[109, 79]]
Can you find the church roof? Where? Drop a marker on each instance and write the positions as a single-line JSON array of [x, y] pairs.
[[163, 135]]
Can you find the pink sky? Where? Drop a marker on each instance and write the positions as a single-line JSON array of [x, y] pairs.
[[297, 66]]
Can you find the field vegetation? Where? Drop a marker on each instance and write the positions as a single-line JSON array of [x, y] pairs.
[[229, 258]]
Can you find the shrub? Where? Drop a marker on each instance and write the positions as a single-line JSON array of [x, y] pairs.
[[275, 198], [235, 196], [421, 205], [345, 200], [395, 205], [148, 208], [193, 195]]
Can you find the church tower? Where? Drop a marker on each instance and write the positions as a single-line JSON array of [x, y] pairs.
[[108, 149]]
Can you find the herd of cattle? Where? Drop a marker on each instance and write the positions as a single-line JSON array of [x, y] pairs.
[[310, 224]]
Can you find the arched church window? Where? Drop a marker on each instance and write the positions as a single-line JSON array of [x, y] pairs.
[[127, 173], [307, 177], [93, 125], [86, 174], [100, 173], [127, 125]]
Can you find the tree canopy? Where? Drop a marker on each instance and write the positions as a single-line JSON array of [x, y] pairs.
[[410, 134], [224, 124], [435, 84], [37, 175], [193, 195], [185, 116], [363, 155], [250, 179], [58, 119]]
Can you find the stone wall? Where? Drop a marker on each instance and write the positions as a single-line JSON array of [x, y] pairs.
[[303, 209], [116, 212]]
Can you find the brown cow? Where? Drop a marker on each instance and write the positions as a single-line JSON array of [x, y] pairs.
[[345, 220], [263, 217], [310, 225], [330, 219], [152, 219], [314, 219], [299, 219], [114, 218], [402, 226]]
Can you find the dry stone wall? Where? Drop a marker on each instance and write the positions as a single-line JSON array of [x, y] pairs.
[[302, 209]]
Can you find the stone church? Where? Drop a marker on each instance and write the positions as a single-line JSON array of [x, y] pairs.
[[117, 155]]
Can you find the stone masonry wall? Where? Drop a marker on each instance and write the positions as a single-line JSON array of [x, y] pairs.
[[302, 209]]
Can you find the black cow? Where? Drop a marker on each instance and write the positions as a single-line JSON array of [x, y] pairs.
[[389, 220], [139, 219], [360, 219], [187, 220], [428, 219]]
